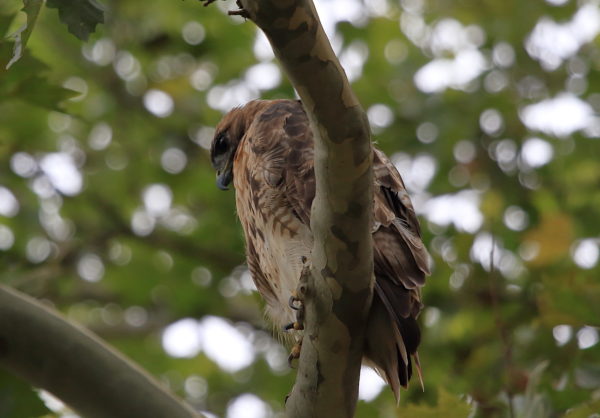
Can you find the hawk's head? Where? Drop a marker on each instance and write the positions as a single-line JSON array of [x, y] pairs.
[[228, 134]]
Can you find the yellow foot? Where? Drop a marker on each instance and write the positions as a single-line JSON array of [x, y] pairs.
[[296, 303], [296, 326], [295, 353]]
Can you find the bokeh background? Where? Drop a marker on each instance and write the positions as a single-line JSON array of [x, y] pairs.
[[489, 109]]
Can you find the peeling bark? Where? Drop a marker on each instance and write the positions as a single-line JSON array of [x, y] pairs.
[[70, 362], [340, 284]]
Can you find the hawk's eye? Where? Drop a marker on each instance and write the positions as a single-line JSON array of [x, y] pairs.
[[220, 144]]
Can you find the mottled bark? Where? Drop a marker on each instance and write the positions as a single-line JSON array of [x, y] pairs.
[[339, 288], [40, 346]]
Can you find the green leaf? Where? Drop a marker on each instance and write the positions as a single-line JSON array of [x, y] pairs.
[[80, 16], [32, 10], [448, 406], [26, 67], [40, 92], [26, 81]]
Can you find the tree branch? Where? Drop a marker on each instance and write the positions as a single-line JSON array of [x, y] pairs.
[[75, 365], [340, 284]]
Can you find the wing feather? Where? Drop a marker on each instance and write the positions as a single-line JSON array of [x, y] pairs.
[[289, 163]]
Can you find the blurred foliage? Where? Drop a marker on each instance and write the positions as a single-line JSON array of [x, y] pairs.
[[447, 405], [108, 208]]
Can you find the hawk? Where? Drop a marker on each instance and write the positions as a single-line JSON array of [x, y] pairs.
[[266, 149]]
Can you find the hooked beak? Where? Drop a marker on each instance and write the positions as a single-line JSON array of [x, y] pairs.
[[224, 177]]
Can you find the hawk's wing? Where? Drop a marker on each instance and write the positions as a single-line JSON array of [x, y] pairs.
[[399, 253], [401, 263]]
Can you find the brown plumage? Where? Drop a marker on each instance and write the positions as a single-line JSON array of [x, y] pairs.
[[266, 148]]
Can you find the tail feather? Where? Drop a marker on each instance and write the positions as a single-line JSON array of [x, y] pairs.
[[400, 343], [392, 339], [419, 371]]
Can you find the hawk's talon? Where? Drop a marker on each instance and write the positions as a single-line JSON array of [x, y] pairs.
[[296, 326], [292, 302], [295, 353]]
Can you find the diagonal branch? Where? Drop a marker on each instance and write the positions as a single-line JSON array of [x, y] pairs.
[[340, 286], [75, 365]]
